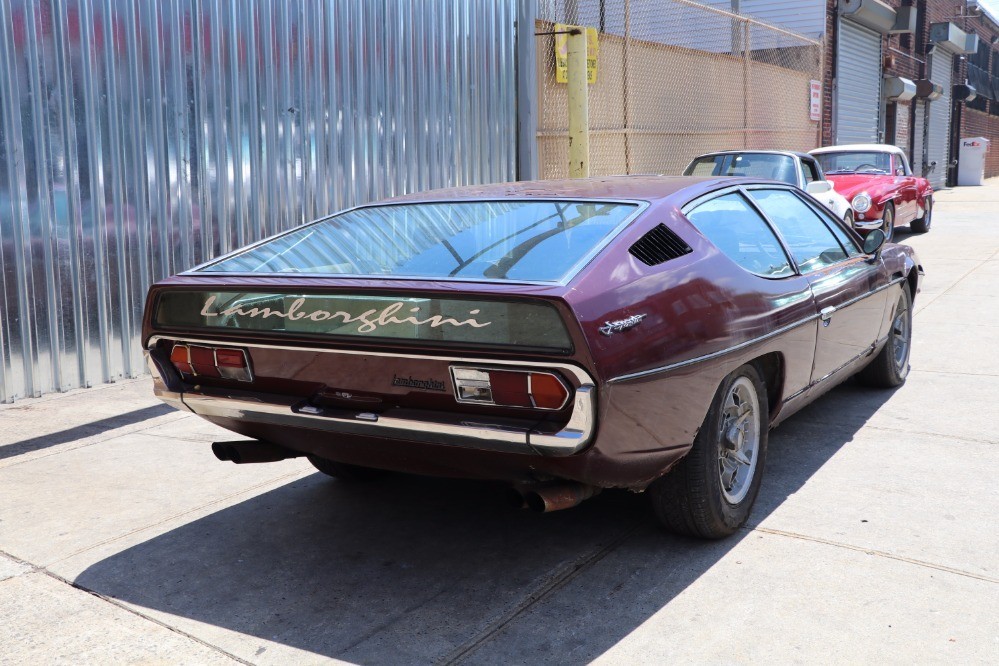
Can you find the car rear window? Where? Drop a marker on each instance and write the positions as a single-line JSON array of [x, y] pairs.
[[533, 241], [755, 165]]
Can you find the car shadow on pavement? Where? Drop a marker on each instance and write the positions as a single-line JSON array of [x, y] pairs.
[[417, 570]]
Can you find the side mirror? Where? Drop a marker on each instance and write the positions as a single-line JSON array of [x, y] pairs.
[[874, 241], [819, 187]]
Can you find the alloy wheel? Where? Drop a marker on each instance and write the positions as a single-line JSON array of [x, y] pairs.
[[739, 439], [900, 336]]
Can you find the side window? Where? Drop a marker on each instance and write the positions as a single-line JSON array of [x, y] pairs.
[[899, 166], [742, 235], [905, 165], [844, 238], [811, 173], [810, 241]]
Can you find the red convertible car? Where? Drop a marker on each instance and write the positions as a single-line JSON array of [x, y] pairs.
[[632, 332], [879, 184]]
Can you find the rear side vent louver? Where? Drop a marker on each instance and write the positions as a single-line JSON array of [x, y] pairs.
[[659, 245]]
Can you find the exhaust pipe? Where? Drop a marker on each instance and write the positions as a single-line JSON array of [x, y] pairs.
[[545, 499], [252, 451]]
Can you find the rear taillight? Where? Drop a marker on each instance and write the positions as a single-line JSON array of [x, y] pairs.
[[218, 362], [509, 388]]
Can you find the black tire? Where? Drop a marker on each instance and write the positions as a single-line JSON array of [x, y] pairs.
[[692, 498], [888, 222], [891, 366], [922, 225], [345, 472]]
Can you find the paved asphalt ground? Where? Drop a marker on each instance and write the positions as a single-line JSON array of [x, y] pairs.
[[875, 537]]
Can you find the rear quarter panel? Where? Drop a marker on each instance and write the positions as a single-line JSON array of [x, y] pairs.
[[695, 306]]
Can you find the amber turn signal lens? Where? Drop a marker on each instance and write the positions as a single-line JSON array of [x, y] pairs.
[[548, 391], [195, 360], [180, 356]]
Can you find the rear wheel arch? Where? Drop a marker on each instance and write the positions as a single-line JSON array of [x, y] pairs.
[[913, 281], [772, 370]]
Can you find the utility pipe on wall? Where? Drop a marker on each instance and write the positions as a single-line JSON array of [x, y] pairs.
[[579, 113]]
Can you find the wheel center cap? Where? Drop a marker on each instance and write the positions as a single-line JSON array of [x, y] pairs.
[[734, 438]]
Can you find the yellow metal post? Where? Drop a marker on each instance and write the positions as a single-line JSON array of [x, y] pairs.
[[579, 113]]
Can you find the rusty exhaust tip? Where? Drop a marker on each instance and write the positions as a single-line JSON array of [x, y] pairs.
[[555, 498], [516, 497]]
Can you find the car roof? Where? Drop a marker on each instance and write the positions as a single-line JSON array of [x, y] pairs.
[[754, 152], [643, 188], [875, 147]]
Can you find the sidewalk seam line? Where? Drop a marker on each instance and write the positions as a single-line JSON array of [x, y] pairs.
[[871, 551], [175, 516], [955, 283], [557, 582], [97, 441]]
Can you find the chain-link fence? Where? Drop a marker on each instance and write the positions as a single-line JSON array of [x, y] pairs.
[[675, 79]]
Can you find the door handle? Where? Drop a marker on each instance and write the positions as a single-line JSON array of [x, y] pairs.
[[826, 314]]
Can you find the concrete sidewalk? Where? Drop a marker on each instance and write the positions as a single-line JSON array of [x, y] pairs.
[[875, 537]]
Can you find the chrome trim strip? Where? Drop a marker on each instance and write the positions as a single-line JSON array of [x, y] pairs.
[[743, 345], [857, 299], [573, 437], [712, 355], [867, 225]]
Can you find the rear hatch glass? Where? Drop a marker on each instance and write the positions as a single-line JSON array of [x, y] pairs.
[[509, 240]]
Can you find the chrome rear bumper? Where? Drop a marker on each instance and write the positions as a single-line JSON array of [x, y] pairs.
[[407, 425], [468, 431]]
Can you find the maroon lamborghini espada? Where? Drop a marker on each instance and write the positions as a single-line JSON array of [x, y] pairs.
[[630, 332]]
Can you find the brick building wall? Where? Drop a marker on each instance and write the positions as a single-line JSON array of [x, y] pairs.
[[981, 116], [976, 123]]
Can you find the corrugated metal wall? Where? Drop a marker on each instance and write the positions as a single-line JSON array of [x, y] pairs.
[[139, 138]]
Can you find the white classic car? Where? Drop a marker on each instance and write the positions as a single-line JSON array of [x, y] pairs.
[[800, 169]]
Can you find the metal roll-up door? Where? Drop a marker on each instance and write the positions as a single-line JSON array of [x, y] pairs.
[[858, 84], [918, 130], [938, 122]]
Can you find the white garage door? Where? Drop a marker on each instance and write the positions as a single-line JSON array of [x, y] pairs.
[[858, 84], [938, 123]]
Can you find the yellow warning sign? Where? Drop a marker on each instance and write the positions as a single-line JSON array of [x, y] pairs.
[[562, 53]]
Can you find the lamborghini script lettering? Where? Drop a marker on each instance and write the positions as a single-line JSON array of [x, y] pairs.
[[425, 384], [370, 320], [611, 327]]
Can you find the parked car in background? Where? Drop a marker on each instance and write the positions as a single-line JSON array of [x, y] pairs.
[[880, 185], [799, 169], [563, 336]]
